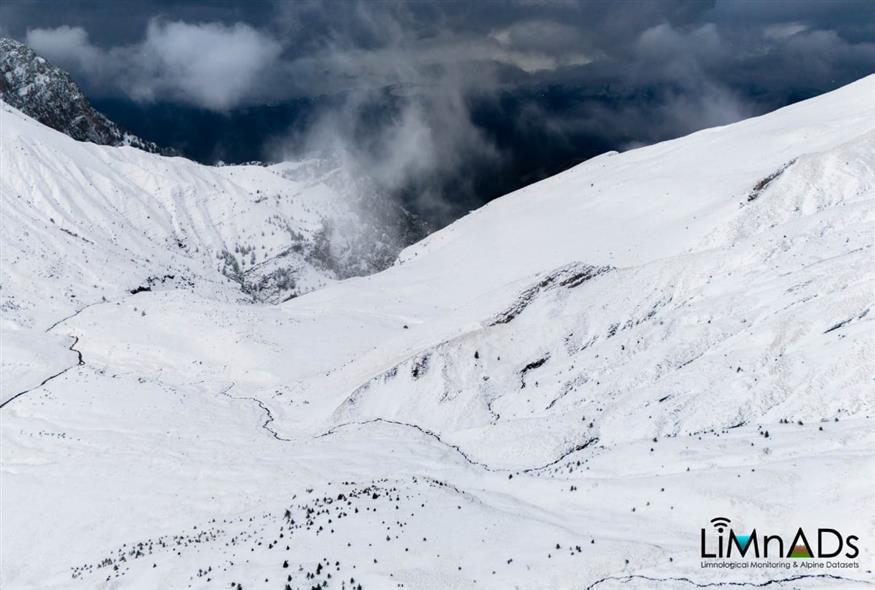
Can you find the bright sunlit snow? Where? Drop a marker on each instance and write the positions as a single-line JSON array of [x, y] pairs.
[[559, 390]]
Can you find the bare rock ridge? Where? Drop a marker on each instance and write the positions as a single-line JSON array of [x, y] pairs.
[[48, 94]]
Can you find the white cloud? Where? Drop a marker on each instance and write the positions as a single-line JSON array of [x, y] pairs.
[[68, 46], [206, 64]]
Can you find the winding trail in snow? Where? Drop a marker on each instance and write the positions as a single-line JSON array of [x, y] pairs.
[[79, 363], [268, 421], [424, 431], [458, 449], [79, 360]]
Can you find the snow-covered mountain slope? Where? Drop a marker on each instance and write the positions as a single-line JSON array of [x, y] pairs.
[[557, 391], [84, 223], [48, 94], [149, 216]]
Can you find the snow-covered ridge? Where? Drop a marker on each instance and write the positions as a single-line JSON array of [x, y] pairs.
[[738, 251], [556, 391], [84, 222]]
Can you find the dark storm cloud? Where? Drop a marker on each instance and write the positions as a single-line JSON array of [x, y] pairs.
[[337, 45], [162, 50]]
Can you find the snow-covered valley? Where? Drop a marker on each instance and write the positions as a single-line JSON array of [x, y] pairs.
[[559, 390]]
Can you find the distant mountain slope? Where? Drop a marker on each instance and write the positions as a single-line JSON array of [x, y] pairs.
[[48, 94]]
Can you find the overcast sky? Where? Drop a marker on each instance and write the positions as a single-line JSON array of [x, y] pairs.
[[632, 72], [221, 54]]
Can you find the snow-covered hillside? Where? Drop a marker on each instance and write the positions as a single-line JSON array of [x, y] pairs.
[[84, 224], [557, 391], [83, 220]]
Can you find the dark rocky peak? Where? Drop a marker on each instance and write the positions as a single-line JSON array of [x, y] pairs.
[[48, 94]]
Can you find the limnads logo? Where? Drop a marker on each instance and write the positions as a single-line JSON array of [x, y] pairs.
[[721, 541]]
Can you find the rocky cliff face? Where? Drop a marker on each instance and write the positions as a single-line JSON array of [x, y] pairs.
[[48, 94]]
